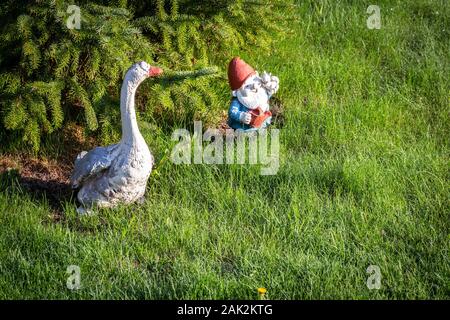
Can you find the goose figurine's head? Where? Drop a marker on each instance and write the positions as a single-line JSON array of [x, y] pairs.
[[141, 71]]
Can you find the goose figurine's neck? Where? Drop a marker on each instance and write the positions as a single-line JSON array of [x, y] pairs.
[[130, 130]]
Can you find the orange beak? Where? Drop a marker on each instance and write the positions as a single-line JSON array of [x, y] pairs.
[[155, 71]]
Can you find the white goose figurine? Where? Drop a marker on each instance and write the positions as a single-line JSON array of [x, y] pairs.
[[117, 173]]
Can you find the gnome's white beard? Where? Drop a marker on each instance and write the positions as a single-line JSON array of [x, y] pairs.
[[254, 100], [252, 95]]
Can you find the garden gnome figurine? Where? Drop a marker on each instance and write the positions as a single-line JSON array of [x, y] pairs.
[[249, 109]]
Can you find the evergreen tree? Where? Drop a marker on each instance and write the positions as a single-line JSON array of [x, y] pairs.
[[50, 73]]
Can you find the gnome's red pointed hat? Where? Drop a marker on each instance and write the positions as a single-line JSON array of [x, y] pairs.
[[238, 72]]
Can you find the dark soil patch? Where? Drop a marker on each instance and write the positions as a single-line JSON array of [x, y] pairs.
[[48, 178], [42, 178], [277, 109]]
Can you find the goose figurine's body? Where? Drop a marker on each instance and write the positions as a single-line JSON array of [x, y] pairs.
[[117, 173]]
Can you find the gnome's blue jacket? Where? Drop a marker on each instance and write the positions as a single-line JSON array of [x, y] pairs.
[[234, 114]]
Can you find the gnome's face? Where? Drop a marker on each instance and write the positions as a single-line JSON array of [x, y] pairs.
[[252, 94]]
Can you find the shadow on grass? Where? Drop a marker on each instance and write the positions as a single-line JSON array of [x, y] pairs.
[[53, 192]]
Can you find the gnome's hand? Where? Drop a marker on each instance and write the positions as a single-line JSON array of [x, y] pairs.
[[270, 83], [245, 117]]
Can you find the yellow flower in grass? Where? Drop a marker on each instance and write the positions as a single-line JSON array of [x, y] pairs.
[[262, 293]]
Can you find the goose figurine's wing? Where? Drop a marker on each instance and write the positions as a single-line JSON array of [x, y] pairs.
[[90, 163]]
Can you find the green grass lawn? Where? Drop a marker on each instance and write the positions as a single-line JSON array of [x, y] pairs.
[[363, 180]]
